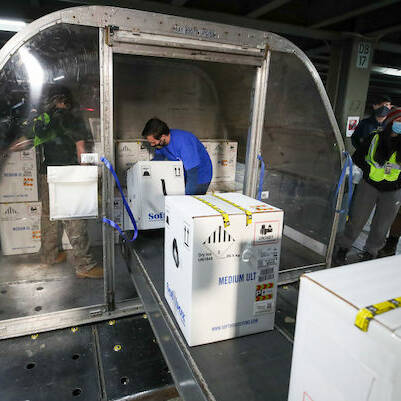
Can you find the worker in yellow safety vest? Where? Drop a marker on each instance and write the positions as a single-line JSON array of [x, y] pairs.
[[379, 157]]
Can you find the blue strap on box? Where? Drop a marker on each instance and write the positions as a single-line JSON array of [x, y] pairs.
[[112, 223]]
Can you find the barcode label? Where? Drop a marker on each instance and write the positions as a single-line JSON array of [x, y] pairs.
[[267, 271], [265, 277]]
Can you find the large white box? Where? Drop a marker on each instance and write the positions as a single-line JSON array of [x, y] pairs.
[[147, 185], [18, 180], [73, 192], [128, 153], [220, 282], [223, 154], [20, 228], [334, 360]]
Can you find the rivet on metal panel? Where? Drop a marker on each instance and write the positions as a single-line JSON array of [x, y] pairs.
[[117, 348], [34, 336], [111, 322], [74, 329]]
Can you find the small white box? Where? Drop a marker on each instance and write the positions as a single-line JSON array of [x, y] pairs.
[[20, 228], [223, 154], [18, 180], [72, 192], [220, 282], [128, 153], [147, 185], [333, 359]]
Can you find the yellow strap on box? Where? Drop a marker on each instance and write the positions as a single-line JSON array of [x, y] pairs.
[[247, 212], [224, 215], [365, 315]]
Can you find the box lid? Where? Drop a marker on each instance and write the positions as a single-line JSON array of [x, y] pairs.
[[196, 208], [364, 284]]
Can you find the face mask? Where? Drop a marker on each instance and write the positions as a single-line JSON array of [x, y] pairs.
[[382, 111], [396, 127]]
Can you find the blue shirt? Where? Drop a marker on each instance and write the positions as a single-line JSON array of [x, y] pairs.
[[186, 147]]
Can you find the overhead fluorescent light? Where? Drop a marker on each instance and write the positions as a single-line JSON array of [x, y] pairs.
[[386, 70], [11, 25], [58, 78]]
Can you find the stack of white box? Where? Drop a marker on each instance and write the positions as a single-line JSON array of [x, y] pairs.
[[220, 280], [128, 153], [223, 155], [19, 209]]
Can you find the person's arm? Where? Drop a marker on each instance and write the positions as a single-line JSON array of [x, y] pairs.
[[158, 155], [80, 145], [357, 136], [361, 151]]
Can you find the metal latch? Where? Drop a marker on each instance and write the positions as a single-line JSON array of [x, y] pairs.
[[110, 29]]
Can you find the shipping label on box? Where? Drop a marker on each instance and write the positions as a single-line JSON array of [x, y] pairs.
[[20, 230], [18, 179], [219, 282]]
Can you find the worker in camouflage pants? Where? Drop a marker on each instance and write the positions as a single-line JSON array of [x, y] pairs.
[[76, 233], [58, 135]]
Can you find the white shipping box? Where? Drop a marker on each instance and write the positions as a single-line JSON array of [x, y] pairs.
[[20, 228], [18, 180], [220, 282], [223, 155], [73, 192], [147, 185], [333, 360], [128, 153]]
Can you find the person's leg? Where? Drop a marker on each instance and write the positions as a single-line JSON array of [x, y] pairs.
[[387, 208], [390, 247], [364, 201], [49, 229], [77, 233]]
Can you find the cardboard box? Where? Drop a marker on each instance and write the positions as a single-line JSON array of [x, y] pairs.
[[333, 359], [128, 153], [18, 179], [20, 228], [220, 282], [147, 185], [223, 154]]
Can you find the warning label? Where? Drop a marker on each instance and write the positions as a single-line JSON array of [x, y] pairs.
[[266, 232], [263, 298]]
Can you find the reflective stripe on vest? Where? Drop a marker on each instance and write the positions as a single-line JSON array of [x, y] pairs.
[[390, 171]]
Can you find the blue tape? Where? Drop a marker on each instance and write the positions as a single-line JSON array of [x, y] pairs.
[[348, 163], [261, 177], [112, 223]]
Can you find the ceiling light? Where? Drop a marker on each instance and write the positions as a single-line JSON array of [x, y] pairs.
[[386, 70], [11, 25], [58, 78]]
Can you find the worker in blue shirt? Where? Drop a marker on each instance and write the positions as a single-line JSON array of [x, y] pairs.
[[175, 144]]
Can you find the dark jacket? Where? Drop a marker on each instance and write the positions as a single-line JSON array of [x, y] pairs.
[[363, 130], [359, 159]]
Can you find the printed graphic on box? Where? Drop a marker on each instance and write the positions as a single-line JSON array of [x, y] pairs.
[[219, 242], [266, 232]]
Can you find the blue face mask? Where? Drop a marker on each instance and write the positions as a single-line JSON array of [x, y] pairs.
[[396, 127]]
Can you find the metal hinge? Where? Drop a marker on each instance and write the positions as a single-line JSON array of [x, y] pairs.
[[110, 29]]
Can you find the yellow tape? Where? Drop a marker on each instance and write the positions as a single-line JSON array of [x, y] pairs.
[[365, 315], [247, 212], [224, 215]]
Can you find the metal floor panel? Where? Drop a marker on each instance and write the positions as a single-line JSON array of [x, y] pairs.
[[131, 359], [251, 368], [56, 366], [29, 288]]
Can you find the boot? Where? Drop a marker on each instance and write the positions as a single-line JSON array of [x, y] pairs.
[[340, 256], [389, 247], [365, 255], [61, 258], [95, 272]]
